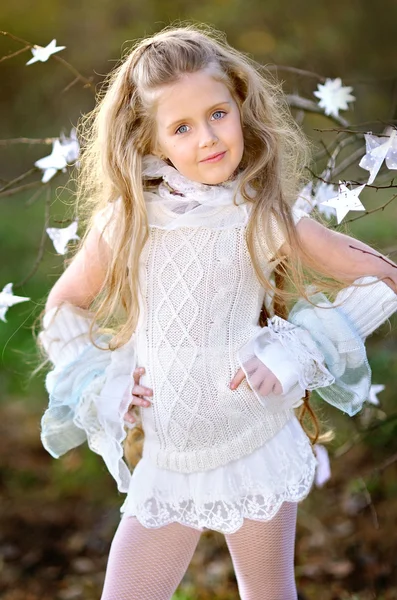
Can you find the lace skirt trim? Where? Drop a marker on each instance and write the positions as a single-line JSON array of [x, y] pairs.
[[252, 487]]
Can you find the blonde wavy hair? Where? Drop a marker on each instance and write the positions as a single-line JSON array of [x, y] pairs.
[[121, 129]]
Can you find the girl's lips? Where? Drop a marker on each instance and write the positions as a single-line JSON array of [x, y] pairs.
[[215, 157]]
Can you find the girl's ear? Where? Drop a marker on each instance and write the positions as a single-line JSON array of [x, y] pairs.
[[159, 154], [156, 150]]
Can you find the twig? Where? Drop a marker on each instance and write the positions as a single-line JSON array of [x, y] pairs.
[[70, 85], [86, 80], [391, 460], [295, 70], [347, 446], [18, 179], [42, 242], [322, 78], [339, 145], [362, 133], [20, 188], [34, 197], [370, 503], [310, 106], [16, 53], [373, 254], [391, 185], [17, 39], [24, 140], [369, 212]]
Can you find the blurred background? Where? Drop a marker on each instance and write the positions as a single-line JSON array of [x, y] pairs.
[[57, 517]]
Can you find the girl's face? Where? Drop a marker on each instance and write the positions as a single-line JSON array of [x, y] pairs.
[[197, 118]]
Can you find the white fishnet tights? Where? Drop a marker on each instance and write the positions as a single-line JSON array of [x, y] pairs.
[[149, 564], [263, 556]]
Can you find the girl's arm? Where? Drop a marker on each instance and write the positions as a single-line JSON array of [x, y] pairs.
[[270, 359], [84, 277], [343, 256], [67, 320], [89, 387]]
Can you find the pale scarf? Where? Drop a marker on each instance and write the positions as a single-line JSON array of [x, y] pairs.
[[181, 202]]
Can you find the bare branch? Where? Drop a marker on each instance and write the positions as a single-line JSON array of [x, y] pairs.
[[86, 80], [357, 132], [370, 503], [8, 56], [322, 78], [20, 188], [17, 180], [40, 253], [23, 140], [375, 255], [17, 39], [296, 71], [369, 212], [311, 106]]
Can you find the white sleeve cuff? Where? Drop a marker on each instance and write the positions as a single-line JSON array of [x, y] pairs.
[[284, 367], [367, 307], [66, 333]]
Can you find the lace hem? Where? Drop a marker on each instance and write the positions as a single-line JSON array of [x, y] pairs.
[[252, 487]]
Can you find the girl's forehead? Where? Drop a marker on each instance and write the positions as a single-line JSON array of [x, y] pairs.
[[188, 85], [192, 92]]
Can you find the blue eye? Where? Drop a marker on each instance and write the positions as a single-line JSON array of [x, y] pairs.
[[179, 128], [222, 113]]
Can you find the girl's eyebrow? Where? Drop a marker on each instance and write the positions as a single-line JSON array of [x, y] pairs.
[[174, 123]]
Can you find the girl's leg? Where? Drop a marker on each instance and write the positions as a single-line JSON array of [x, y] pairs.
[[148, 564], [262, 553]]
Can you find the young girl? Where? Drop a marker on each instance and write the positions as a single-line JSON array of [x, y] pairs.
[[176, 303]]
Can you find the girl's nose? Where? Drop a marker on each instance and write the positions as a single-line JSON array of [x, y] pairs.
[[207, 137]]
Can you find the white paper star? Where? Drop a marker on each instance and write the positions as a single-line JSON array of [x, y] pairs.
[[8, 299], [374, 390], [64, 152], [307, 201], [42, 54], [333, 97], [52, 163], [324, 192], [377, 150], [61, 237], [345, 201], [70, 146], [323, 469]]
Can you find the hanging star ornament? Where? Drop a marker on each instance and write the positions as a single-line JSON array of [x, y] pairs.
[[43, 54], [373, 392], [7, 299], [379, 149], [308, 199], [52, 163], [323, 469], [345, 201], [61, 237], [333, 96], [305, 201], [70, 146], [65, 151]]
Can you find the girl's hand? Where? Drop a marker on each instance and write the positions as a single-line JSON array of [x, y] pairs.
[[138, 392], [262, 379]]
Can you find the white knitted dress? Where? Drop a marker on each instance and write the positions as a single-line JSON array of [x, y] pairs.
[[211, 456]]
